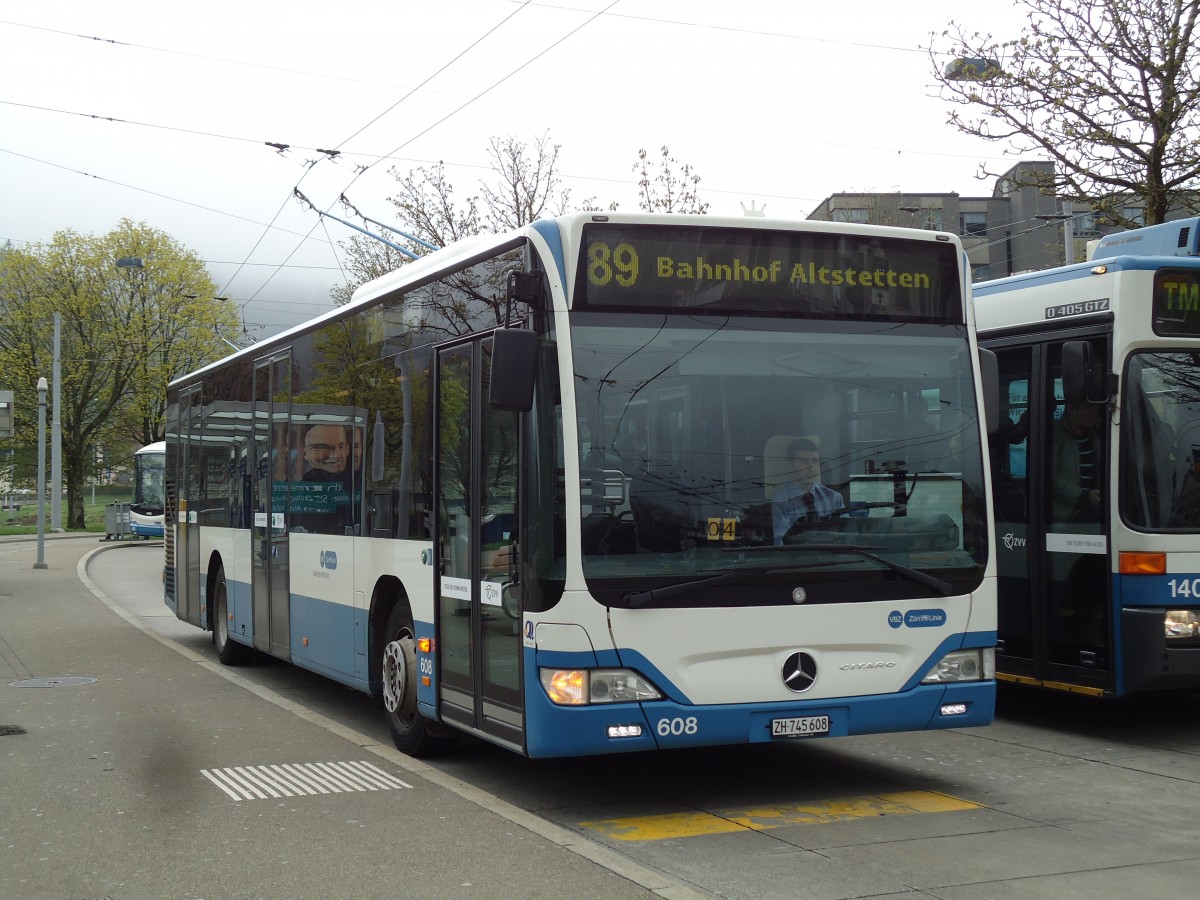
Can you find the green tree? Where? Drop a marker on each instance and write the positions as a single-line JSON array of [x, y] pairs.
[[125, 332], [1107, 89]]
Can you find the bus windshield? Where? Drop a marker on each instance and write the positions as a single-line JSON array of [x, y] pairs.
[[702, 437], [148, 477], [1161, 433]]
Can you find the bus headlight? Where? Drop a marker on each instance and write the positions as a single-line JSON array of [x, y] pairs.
[[963, 665], [577, 687]]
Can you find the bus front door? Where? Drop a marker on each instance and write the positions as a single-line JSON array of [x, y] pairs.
[[269, 499], [1049, 470], [479, 638]]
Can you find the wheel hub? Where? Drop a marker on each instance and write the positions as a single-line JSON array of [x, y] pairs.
[[399, 664]]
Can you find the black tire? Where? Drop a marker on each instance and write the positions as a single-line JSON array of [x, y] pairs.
[[230, 653], [411, 732]]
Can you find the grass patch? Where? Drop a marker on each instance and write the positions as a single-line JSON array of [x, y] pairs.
[[23, 519]]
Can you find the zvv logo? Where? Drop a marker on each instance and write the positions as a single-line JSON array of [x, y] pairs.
[[1012, 542]]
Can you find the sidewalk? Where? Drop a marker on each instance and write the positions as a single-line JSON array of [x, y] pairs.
[[107, 731], [55, 536]]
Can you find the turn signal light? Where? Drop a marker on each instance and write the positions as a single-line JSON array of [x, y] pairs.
[[1134, 563]]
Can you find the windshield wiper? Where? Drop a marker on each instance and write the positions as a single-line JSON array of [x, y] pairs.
[[635, 599], [641, 598], [867, 552]]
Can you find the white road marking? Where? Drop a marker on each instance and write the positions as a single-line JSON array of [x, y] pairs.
[[298, 779]]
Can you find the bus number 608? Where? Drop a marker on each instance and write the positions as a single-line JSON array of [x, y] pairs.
[[677, 726]]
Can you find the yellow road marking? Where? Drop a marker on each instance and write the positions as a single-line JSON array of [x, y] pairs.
[[760, 818], [1055, 685]]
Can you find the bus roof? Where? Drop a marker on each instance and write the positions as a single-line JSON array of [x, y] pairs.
[[1178, 238], [1152, 247], [553, 230]]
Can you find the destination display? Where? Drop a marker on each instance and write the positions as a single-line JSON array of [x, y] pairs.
[[650, 267], [1176, 302]]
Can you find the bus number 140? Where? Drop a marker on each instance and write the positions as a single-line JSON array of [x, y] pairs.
[[1185, 587]]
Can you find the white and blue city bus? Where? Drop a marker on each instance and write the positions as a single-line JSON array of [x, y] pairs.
[[1100, 582], [522, 488], [146, 510]]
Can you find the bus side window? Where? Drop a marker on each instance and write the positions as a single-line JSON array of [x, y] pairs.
[[1009, 448]]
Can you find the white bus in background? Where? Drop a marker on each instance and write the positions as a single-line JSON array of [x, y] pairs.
[[536, 505], [1100, 583], [146, 509]]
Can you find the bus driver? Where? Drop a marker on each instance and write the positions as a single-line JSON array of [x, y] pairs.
[[804, 497]]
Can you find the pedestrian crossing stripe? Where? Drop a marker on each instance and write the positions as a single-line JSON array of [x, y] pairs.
[[762, 818], [301, 779]]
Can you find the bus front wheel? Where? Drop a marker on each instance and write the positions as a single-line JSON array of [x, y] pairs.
[[412, 733]]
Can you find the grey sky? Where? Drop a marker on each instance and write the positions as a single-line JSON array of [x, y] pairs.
[[162, 113]]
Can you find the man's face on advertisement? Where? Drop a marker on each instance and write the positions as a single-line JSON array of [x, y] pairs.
[[326, 448]]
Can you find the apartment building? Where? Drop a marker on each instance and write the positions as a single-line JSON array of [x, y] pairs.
[[1016, 229]]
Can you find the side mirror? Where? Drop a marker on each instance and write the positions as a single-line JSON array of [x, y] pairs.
[[514, 362], [989, 373], [1082, 376]]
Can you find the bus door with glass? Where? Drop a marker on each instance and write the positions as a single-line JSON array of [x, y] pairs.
[[478, 624], [1049, 478], [189, 592], [269, 502]]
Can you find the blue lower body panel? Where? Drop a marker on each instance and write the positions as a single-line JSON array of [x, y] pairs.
[[583, 730]]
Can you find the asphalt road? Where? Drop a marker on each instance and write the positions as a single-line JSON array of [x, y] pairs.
[[1062, 797]]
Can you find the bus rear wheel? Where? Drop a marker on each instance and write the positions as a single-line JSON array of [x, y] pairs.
[[412, 733], [230, 653]]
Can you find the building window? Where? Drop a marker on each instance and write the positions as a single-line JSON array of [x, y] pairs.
[[848, 214], [1135, 214], [980, 272], [1084, 225], [931, 219], [973, 224]]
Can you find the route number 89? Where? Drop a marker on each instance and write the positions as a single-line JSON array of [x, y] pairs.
[[607, 264]]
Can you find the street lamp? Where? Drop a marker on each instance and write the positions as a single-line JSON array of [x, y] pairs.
[[971, 68], [42, 386], [56, 430]]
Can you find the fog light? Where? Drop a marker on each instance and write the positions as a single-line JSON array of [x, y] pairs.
[[624, 731], [954, 709]]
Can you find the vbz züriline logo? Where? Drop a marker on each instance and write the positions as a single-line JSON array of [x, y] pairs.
[[917, 618], [328, 559]]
